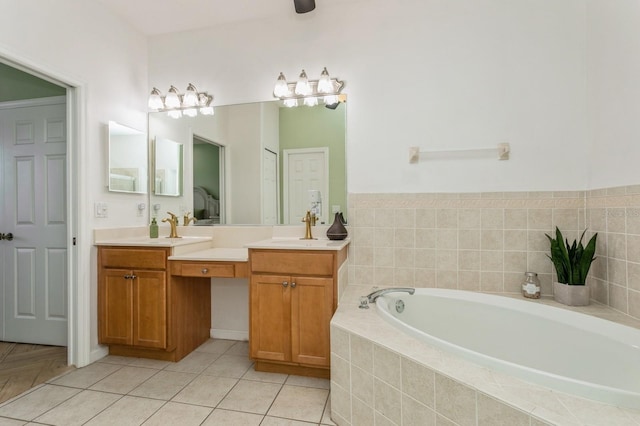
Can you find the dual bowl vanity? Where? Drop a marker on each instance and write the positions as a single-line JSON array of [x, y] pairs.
[[154, 294]]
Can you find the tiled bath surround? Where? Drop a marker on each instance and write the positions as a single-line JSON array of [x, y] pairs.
[[486, 241]]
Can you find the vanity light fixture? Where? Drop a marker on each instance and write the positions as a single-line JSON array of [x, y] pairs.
[[326, 89], [176, 105]]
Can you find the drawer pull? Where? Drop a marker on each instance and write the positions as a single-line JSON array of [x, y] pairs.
[[285, 284], [293, 284], [204, 270], [130, 277]]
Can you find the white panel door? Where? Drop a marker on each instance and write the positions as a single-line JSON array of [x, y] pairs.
[[269, 188], [304, 170], [33, 206]]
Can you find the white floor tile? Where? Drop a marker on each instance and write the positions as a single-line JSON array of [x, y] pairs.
[[217, 346], [163, 385], [326, 416], [87, 376], [78, 409], [229, 366], [195, 362], [178, 414], [37, 402], [232, 418], [128, 411], [251, 397], [11, 422], [309, 382], [205, 390], [124, 380], [300, 403], [239, 348], [277, 421], [259, 376]]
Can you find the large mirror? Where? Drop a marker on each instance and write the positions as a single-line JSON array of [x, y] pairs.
[[128, 159], [257, 163], [167, 169]]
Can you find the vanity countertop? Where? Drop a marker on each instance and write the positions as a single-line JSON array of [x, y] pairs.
[[215, 255], [153, 242], [299, 244]]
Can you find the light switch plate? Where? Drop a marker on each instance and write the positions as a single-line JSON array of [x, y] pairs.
[[101, 210]]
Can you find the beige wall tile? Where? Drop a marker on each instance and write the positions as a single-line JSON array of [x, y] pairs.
[[447, 260], [469, 239], [513, 282], [340, 342], [414, 413], [403, 258], [447, 239], [633, 220], [363, 217], [491, 260], [386, 366], [616, 220], [634, 303], [387, 401], [599, 268], [447, 218], [447, 279], [598, 220], [340, 402], [363, 415], [515, 261], [425, 258], [340, 371], [384, 218], [538, 241], [362, 274], [537, 261], [633, 276], [492, 239], [455, 401], [492, 219], [405, 218], [493, 413], [383, 276], [617, 272], [599, 290], [404, 277], [633, 248], [425, 218], [425, 238], [540, 219], [362, 256], [361, 353], [492, 282], [565, 219], [405, 237], [515, 240], [362, 385], [616, 246], [515, 219], [425, 278], [443, 421], [469, 260], [469, 218], [362, 236], [618, 298], [383, 237], [384, 256], [418, 382], [469, 280]]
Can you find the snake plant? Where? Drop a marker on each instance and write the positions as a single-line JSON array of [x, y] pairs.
[[572, 262]]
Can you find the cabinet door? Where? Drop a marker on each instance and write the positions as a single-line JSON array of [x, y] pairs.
[[150, 309], [311, 311], [270, 336], [116, 307]]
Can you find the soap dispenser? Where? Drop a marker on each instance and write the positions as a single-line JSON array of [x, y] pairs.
[[153, 228]]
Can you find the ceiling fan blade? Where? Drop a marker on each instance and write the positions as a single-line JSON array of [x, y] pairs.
[[304, 6]]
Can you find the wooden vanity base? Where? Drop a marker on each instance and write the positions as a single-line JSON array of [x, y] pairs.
[[298, 370]]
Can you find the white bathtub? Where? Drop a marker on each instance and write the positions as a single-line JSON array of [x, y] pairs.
[[553, 347]]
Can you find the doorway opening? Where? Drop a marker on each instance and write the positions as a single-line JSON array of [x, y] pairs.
[[209, 201]]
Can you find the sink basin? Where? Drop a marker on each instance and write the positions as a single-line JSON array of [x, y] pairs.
[[297, 243]]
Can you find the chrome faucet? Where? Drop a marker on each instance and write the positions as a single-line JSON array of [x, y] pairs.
[[310, 220], [373, 296], [186, 219], [173, 221]]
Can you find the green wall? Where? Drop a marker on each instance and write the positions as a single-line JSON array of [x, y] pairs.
[[206, 165], [17, 85], [312, 127]]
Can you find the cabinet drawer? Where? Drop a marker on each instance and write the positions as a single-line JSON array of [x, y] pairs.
[[292, 262], [207, 270], [133, 258]]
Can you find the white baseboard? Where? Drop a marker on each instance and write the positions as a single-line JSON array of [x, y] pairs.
[[99, 353], [217, 333]]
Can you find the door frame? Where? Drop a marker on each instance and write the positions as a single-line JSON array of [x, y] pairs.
[[285, 178], [222, 173], [79, 261]]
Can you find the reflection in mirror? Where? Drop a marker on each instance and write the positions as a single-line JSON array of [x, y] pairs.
[[127, 159], [167, 177], [258, 163]]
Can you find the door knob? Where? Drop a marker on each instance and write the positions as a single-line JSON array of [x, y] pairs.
[[7, 237]]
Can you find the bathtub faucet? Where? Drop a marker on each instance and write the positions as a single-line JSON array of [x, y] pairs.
[[372, 297]]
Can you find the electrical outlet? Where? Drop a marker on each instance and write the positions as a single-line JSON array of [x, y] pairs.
[[141, 207], [101, 210]]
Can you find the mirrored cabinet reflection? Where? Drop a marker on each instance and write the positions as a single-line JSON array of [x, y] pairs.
[[128, 159], [167, 170]]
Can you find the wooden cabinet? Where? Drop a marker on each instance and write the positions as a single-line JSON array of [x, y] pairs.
[[132, 296], [292, 299]]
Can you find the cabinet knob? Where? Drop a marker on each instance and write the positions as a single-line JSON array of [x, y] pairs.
[[285, 284], [204, 270], [293, 284]]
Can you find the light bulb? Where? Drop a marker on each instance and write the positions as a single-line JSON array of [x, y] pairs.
[[155, 100], [324, 84], [330, 100], [282, 88], [174, 113], [172, 100], [290, 103], [303, 87], [208, 110], [311, 101], [190, 112], [190, 96]]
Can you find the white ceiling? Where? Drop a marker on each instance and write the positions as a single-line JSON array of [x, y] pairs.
[[152, 17]]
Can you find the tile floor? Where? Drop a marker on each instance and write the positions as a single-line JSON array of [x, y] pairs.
[[214, 385]]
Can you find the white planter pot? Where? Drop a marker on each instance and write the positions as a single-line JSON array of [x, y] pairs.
[[571, 295]]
